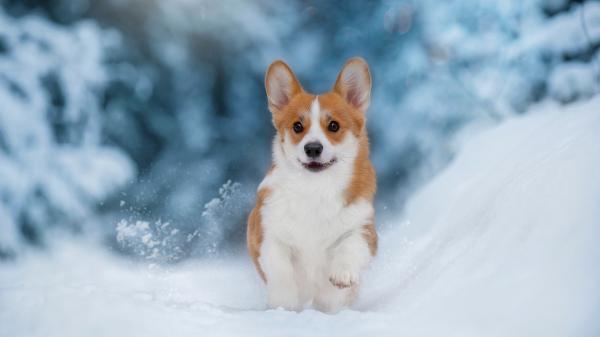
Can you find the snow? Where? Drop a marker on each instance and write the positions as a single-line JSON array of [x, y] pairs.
[[501, 243], [570, 32], [156, 242], [573, 80], [504, 240]]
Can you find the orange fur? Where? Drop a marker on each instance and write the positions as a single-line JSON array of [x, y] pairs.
[[363, 183], [297, 110], [370, 236], [254, 235]]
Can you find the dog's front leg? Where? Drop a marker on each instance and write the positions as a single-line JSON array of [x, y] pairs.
[[348, 258], [276, 261]]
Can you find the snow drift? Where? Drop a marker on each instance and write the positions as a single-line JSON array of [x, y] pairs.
[[501, 243], [504, 241]]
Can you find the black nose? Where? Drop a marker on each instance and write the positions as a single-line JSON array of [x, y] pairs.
[[313, 150]]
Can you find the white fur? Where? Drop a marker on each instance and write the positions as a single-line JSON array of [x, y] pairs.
[[310, 234]]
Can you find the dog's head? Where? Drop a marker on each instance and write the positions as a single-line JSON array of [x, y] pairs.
[[318, 131]]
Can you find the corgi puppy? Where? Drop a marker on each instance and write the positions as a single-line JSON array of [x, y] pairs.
[[312, 229]]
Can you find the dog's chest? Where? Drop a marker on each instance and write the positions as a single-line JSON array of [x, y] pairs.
[[306, 217]]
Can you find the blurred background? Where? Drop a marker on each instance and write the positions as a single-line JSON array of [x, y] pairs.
[[143, 124]]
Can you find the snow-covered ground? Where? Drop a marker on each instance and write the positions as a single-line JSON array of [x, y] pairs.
[[504, 242]]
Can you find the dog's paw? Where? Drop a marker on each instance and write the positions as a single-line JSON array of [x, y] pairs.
[[286, 301], [343, 278]]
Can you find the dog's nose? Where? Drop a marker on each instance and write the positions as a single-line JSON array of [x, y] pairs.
[[313, 150]]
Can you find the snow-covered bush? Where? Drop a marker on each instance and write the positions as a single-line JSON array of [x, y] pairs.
[[54, 170], [573, 80], [475, 61]]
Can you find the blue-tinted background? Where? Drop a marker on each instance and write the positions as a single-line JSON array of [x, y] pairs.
[[119, 118]]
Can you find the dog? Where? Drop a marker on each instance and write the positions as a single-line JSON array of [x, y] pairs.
[[312, 230]]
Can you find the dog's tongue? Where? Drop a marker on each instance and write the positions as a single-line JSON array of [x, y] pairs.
[[315, 164]]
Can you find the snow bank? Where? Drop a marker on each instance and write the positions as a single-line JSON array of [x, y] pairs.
[[502, 243]]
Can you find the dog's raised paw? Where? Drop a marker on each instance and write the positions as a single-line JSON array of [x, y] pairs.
[[343, 279]]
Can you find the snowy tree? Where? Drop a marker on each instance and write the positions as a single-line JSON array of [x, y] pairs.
[[54, 168]]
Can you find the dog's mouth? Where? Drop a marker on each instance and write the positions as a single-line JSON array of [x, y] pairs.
[[315, 166]]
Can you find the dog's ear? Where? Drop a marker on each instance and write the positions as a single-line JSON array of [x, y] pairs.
[[281, 85], [354, 83]]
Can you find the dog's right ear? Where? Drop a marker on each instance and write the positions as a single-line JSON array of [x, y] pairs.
[[281, 85]]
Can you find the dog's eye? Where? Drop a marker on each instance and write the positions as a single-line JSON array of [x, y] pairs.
[[298, 127], [333, 126]]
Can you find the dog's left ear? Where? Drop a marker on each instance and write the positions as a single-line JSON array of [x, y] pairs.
[[354, 83], [281, 85]]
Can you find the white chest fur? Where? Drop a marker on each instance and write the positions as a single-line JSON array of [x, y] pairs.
[[310, 234], [309, 216], [307, 210]]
